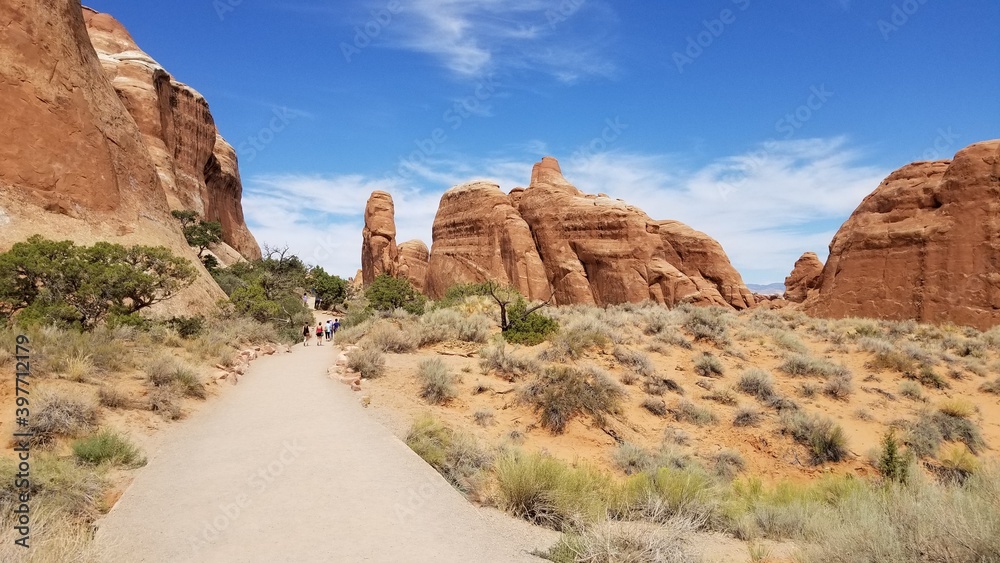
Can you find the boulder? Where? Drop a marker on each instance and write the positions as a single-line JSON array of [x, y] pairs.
[[413, 260], [925, 245], [804, 278]]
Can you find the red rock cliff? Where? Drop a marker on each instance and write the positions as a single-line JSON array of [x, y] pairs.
[[925, 245]]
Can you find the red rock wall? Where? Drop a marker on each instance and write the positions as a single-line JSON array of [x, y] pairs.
[[925, 245]]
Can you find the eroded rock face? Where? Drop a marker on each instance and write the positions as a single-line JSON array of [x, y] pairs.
[[196, 167], [478, 236], [413, 262], [804, 278], [379, 254], [925, 245], [702, 259], [69, 147]]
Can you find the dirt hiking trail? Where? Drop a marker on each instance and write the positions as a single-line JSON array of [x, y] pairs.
[[288, 466]]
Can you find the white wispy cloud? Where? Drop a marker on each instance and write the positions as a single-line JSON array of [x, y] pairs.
[[472, 38], [766, 207]]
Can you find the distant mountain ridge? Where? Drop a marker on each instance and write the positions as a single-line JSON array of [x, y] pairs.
[[776, 288]]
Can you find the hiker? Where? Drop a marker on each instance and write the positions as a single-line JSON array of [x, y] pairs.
[[328, 329], [305, 335], [305, 299], [319, 334], [335, 326]]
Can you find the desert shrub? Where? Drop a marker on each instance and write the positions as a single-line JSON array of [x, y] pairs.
[[686, 411], [572, 341], [163, 401], [809, 389], [911, 390], [707, 365], [613, 542], [437, 384], [560, 393], [727, 463], [368, 362], [527, 328], [824, 438], [187, 327], [756, 383], [165, 370], [496, 358], [839, 387], [484, 417], [547, 492], [893, 463], [958, 408], [112, 398], [891, 360], [782, 404], [658, 385], [991, 387], [632, 459], [629, 378], [455, 455], [788, 341], [927, 377], [655, 406], [747, 416], [802, 364], [70, 490], [673, 337], [723, 396], [958, 462], [60, 414], [387, 294], [108, 447], [706, 323], [634, 360], [385, 336], [669, 492], [958, 428]]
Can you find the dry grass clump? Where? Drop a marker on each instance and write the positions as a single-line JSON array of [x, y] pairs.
[[437, 384], [928, 377], [931, 428], [788, 341], [620, 542], [747, 416], [164, 401], [724, 396], [727, 463], [368, 362], [839, 387], [824, 438], [108, 447], [757, 383], [707, 323], [658, 385], [803, 365], [571, 342], [112, 397], [385, 336], [484, 417], [60, 414], [455, 455], [991, 387], [655, 406], [686, 411], [561, 392], [446, 324], [634, 360], [911, 390], [707, 364], [495, 358], [166, 370]]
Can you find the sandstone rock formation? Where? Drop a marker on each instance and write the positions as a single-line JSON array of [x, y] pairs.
[[924, 245], [379, 254], [479, 235], [196, 167], [74, 164], [804, 278], [413, 262], [551, 240]]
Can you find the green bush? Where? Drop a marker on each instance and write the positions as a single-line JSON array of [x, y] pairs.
[[387, 294], [187, 327], [59, 282], [561, 392], [893, 463], [108, 447], [329, 289], [525, 328]]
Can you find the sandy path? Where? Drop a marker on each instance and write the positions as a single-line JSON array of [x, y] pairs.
[[288, 466]]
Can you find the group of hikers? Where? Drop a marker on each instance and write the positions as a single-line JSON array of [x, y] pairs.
[[324, 331]]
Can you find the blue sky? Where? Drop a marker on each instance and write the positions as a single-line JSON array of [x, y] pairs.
[[763, 124]]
